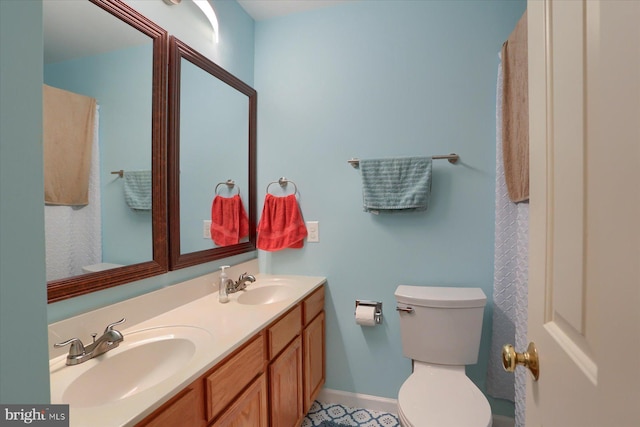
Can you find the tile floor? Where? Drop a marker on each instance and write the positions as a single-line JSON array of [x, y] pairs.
[[321, 411]]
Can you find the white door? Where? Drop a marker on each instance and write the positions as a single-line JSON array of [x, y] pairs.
[[584, 283]]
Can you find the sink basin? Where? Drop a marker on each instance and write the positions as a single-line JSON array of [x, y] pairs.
[[270, 292], [144, 359]]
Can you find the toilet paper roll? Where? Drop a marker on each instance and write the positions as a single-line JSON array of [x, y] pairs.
[[365, 315]]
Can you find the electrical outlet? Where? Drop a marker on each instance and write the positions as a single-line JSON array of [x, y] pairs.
[[206, 229], [313, 231]]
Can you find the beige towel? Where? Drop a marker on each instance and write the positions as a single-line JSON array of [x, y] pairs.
[[68, 121], [515, 113]]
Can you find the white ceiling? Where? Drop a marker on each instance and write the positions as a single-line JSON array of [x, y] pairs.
[[264, 9], [67, 37]]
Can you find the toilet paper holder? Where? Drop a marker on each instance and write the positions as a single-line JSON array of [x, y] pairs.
[[377, 315]]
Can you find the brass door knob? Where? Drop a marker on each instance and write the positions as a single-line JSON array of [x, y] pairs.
[[528, 359]]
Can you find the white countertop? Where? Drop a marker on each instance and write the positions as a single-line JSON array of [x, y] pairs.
[[230, 325]]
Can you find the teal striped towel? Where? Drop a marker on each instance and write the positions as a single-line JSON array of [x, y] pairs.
[[137, 190], [396, 185]]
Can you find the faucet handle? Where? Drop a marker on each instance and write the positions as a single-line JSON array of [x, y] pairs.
[[77, 348], [111, 325], [245, 276]]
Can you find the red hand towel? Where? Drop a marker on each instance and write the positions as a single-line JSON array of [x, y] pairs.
[[281, 225], [229, 222]]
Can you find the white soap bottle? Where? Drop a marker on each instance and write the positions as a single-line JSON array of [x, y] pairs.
[[222, 287]]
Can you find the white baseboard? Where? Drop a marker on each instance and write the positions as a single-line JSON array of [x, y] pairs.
[[383, 404], [358, 400]]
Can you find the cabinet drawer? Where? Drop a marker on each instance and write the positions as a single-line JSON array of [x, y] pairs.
[[230, 378], [284, 330], [183, 411], [313, 305]]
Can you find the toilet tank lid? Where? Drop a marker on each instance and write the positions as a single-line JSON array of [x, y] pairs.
[[440, 296]]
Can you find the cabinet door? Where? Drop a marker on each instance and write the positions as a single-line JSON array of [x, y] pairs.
[[285, 386], [314, 359], [250, 409]]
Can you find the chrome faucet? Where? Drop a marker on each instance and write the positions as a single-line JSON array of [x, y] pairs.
[[241, 284], [78, 353]]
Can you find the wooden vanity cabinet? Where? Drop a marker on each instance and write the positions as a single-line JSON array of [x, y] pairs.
[[313, 346], [314, 359], [233, 393], [250, 409], [271, 381], [184, 410], [228, 379], [297, 374], [285, 370]]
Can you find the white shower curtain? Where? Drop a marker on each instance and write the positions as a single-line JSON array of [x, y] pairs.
[[73, 235], [509, 283]]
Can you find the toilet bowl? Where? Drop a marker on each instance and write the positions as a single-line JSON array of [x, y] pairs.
[[441, 396], [441, 329], [100, 267]]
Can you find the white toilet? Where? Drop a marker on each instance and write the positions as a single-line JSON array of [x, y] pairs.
[[100, 267], [441, 329]]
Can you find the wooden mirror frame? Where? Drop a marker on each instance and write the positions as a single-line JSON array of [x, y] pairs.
[[177, 51], [58, 290]]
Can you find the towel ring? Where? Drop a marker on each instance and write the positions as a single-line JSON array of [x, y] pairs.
[[283, 183], [229, 183]]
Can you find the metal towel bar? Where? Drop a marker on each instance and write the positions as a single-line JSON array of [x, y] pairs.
[[453, 159]]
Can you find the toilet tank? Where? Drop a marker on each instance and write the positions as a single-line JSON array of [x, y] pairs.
[[441, 325]]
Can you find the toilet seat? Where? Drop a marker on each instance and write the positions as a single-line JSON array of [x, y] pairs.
[[442, 396]]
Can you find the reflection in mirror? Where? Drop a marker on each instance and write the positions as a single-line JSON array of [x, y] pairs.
[[212, 140], [113, 233], [214, 132]]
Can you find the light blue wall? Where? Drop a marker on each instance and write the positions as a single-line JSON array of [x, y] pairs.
[[24, 369], [362, 79], [375, 79], [125, 139]]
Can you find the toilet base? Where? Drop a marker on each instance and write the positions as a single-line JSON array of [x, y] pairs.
[[433, 397]]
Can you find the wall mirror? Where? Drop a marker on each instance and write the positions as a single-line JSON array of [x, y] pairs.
[[212, 143], [105, 50]]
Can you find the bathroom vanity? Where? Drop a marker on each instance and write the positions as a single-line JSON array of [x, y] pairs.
[[271, 380], [258, 360]]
